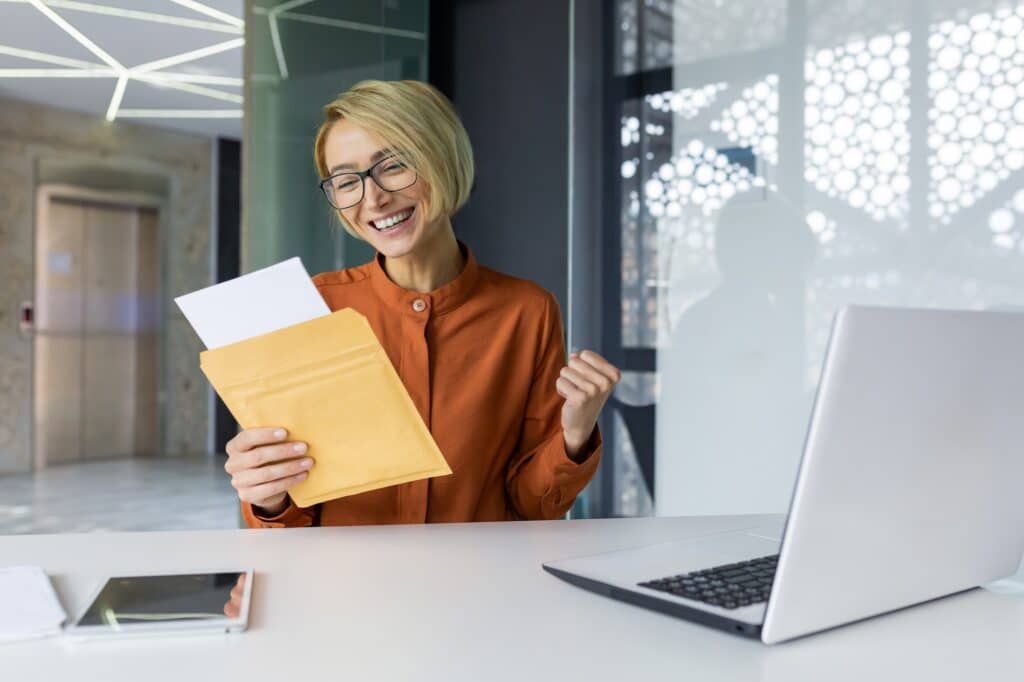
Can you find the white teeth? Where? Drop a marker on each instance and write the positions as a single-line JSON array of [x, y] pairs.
[[392, 221]]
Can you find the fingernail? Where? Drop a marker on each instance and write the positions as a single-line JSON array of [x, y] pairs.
[[306, 463], [299, 448], [280, 433]]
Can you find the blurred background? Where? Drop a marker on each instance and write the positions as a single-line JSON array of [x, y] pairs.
[[701, 184]]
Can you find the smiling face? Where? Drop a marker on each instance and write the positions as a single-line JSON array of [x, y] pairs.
[[394, 223]]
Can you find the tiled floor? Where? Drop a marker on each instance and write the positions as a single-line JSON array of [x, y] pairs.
[[120, 495]]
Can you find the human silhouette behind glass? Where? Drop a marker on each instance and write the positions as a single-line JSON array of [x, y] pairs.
[[732, 410]]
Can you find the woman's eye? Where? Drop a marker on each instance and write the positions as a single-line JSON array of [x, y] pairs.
[[345, 185], [393, 167]]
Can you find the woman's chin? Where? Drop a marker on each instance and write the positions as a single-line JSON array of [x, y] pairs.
[[395, 247]]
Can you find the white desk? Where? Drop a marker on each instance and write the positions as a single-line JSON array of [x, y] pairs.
[[470, 602]]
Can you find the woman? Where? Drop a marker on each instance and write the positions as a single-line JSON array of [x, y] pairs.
[[480, 352]]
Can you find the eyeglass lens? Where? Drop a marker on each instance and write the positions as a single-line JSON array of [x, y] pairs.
[[346, 189]]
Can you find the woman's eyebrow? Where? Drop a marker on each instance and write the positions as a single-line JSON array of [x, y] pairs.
[[377, 156]]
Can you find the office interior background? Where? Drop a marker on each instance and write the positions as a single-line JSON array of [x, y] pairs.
[[701, 184]]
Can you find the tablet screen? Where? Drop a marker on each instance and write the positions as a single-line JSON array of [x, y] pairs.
[[166, 598]]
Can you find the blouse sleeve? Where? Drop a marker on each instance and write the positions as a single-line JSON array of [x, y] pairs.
[[541, 481], [293, 516]]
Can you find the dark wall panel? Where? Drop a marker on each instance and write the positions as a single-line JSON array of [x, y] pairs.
[[504, 63], [229, 185]]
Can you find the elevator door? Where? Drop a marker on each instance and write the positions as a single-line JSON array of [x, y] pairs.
[[95, 348]]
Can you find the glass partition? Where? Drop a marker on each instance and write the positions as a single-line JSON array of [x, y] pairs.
[[765, 164], [300, 54]]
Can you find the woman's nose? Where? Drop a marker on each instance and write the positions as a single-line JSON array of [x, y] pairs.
[[374, 195]]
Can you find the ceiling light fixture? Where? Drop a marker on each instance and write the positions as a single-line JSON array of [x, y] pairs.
[[291, 4], [275, 33], [187, 56], [156, 79], [198, 78], [115, 101], [58, 73], [48, 58], [275, 38], [210, 12], [91, 70], [283, 11], [149, 72], [152, 17], [351, 25], [122, 79], [180, 113], [179, 81], [77, 35]]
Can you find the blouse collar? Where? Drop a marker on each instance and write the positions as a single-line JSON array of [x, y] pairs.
[[440, 300]]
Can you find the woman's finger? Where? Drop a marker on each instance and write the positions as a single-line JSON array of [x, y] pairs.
[[252, 438], [604, 383], [266, 454], [568, 390], [601, 365], [265, 491], [253, 477], [581, 382]]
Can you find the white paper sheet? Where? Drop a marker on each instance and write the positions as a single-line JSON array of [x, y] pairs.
[[29, 607], [257, 303]]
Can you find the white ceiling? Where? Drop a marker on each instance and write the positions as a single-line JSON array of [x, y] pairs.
[[73, 54]]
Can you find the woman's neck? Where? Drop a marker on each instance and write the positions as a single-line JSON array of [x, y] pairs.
[[430, 267]]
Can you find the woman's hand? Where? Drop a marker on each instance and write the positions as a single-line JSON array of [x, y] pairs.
[[263, 466], [233, 607], [585, 384]]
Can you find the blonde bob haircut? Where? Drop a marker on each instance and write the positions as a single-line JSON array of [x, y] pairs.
[[417, 122]]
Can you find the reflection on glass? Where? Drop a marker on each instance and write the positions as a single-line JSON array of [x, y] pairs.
[[302, 55], [656, 34], [732, 372], [907, 124], [233, 606], [632, 497], [163, 598], [856, 118], [976, 121]]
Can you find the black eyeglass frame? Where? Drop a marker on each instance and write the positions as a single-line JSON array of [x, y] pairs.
[[368, 173]]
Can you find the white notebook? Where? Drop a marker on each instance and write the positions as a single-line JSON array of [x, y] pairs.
[[30, 607]]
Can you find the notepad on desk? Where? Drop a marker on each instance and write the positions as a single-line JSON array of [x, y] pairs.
[[277, 356], [29, 607]]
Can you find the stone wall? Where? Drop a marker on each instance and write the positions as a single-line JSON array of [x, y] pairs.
[[33, 137]]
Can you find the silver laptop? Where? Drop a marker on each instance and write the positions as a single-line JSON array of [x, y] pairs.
[[910, 488]]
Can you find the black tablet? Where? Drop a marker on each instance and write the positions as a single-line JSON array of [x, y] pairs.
[[155, 604]]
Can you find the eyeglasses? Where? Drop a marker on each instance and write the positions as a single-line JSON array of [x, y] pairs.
[[345, 190]]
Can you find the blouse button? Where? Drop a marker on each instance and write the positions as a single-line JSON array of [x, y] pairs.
[[419, 305]]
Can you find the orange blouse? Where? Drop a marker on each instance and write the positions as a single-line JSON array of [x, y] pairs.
[[479, 357]]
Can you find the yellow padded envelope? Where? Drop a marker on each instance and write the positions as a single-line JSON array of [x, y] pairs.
[[330, 383]]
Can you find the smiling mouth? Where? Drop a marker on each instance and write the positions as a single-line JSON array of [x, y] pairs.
[[392, 221]]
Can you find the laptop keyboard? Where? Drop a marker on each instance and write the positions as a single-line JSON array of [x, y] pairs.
[[730, 586]]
